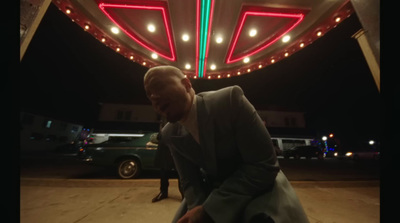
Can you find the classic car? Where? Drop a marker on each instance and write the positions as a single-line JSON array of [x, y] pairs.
[[128, 155]]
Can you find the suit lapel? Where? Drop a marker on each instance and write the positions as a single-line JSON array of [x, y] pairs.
[[206, 135], [187, 145]]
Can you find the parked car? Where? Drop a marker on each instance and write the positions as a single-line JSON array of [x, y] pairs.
[[129, 156], [343, 154], [68, 148], [303, 151], [359, 154], [366, 154]]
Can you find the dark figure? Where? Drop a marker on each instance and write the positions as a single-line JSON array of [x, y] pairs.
[[223, 154], [164, 161]]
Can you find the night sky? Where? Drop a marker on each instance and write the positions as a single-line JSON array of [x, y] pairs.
[[66, 73]]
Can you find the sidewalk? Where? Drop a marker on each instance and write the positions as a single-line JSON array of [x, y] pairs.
[[104, 201]]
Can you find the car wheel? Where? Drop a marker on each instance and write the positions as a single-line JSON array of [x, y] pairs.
[[128, 168]]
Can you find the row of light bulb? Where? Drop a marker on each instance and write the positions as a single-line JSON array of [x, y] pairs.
[[185, 37]]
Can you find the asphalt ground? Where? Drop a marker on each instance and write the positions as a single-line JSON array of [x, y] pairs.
[[58, 188], [112, 200]]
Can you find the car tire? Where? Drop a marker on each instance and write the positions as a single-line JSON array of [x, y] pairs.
[[128, 168]]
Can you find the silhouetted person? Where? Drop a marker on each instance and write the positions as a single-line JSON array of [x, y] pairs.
[[164, 161]]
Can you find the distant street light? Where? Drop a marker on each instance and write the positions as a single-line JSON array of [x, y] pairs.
[[324, 138], [371, 142]]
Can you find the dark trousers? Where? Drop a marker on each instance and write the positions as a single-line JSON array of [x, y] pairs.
[[164, 177], [165, 174]]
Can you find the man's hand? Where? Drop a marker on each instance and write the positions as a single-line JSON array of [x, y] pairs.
[[196, 215]]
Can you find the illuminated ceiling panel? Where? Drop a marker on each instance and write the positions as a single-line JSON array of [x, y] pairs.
[[207, 38], [260, 27], [134, 20]]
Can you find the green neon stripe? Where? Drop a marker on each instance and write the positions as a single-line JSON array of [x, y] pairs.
[[207, 21], [204, 24], [202, 40]]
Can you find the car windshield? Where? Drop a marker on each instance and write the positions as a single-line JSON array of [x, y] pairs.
[[128, 141], [119, 140]]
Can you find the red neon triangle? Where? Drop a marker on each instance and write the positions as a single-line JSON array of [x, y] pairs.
[[133, 19], [271, 24]]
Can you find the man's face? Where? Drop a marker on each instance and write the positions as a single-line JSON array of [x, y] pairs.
[[168, 95]]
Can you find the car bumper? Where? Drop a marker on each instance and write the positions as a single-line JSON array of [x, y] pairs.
[[344, 157], [85, 159], [88, 160]]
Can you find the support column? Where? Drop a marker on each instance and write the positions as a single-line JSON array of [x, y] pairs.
[[368, 12], [369, 57], [31, 13]]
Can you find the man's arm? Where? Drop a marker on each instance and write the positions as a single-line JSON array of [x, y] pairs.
[[259, 169], [190, 179], [196, 215]]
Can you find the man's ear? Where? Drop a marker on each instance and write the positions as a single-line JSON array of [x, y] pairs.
[[186, 82]]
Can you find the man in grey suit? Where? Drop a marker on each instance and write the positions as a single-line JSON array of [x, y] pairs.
[[223, 153]]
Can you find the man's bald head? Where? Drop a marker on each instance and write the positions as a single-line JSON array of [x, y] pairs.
[[164, 72], [169, 91]]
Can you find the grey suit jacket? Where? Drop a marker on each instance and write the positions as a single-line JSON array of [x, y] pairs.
[[237, 159]]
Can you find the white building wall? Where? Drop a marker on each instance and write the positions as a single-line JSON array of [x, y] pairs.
[[127, 113], [146, 113], [283, 119]]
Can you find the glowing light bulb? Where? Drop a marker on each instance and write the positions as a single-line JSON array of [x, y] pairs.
[[151, 28], [114, 30], [286, 39], [253, 32], [185, 37]]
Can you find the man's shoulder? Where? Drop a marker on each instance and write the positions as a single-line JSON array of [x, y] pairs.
[[221, 101], [222, 93]]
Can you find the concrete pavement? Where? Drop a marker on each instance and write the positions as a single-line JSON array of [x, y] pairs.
[[110, 200]]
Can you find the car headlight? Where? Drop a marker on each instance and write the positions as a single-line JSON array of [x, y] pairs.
[[349, 154]]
